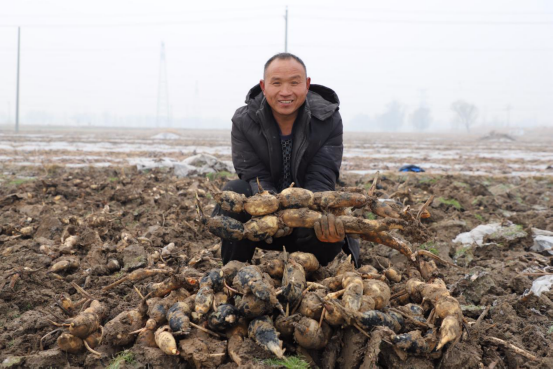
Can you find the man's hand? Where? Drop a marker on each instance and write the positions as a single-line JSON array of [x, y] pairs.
[[329, 229], [283, 232]]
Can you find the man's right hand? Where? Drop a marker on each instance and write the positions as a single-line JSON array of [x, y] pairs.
[[329, 229]]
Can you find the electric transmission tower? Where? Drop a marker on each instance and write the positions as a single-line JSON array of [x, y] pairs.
[[163, 118]]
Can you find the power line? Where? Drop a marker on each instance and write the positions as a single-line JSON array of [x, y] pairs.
[[425, 12], [429, 22], [305, 17], [141, 24], [310, 45], [140, 49], [425, 49], [148, 15]]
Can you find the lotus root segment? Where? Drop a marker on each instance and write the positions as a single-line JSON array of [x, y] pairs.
[[298, 218], [293, 198], [259, 229], [333, 199], [230, 201], [261, 204]]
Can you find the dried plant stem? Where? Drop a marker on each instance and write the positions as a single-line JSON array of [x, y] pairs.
[[510, 346]]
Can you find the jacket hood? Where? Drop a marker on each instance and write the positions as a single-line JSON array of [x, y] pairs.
[[321, 101]]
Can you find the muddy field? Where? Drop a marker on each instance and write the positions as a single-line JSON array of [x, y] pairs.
[[50, 192]]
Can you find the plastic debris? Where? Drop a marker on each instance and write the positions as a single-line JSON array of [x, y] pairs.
[[411, 168], [543, 241], [543, 244], [201, 164], [542, 284], [477, 234]]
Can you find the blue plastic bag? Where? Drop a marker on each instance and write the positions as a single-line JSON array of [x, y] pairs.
[[411, 168]]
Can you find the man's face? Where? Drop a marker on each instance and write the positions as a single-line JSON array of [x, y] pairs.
[[285, 86]]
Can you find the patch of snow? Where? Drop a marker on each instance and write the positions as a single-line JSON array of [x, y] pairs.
[[165, 136]]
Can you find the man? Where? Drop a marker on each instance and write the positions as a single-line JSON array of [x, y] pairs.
[[289, 132]]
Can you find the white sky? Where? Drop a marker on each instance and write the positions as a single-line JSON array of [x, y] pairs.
[[103, 56]]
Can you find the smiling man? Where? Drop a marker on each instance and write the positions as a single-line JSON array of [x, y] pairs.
[[290, 131]]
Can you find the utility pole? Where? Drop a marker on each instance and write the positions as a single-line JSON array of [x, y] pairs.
[[508, 109], [286, 31], [17, 89]]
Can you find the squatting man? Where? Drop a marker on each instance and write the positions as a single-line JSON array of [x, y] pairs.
[[290, 131]]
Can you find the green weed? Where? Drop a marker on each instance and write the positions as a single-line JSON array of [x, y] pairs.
[[427, 245], [428, 180], [214, 176], [461, 251], [119, 274], [18, 181], [122, 357], [430, 246], [451, 202], [16, 315], [113, 179], [461, 184], [479, 217], [369, 215], [550, 330], [292, 362]]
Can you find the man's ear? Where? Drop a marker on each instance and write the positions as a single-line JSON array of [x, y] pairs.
[[262, 84], [308, 82]]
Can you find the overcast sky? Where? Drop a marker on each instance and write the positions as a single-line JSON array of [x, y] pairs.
[[104, 56]]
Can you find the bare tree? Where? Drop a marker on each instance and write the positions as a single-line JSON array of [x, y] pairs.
[[393, 117], [421, 118], [466, 113], [361, 122]]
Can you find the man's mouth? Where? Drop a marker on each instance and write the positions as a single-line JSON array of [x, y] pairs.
[[285, 101]]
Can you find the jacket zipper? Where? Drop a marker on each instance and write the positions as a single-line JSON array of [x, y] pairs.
[[301, 149]]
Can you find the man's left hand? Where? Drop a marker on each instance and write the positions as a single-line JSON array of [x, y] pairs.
[[283, 232], [329, 229]]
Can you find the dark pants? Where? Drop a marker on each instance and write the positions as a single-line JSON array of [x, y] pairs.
[[301, 239]]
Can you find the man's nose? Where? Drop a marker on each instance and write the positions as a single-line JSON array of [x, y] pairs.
[[286, 90]]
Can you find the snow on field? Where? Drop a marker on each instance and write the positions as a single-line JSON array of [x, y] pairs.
[[363, 153]]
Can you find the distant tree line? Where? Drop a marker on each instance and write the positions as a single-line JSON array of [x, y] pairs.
[[395, 116]]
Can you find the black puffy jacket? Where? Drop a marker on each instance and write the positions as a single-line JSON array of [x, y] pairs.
[[317, 142], [316, 152]]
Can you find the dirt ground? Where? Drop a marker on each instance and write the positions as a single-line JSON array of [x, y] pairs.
[[121, 213]]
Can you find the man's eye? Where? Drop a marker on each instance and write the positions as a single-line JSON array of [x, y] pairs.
[[276, 83], [295, 83]]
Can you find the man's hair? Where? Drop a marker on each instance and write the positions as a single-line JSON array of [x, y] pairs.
[[284, 56]]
